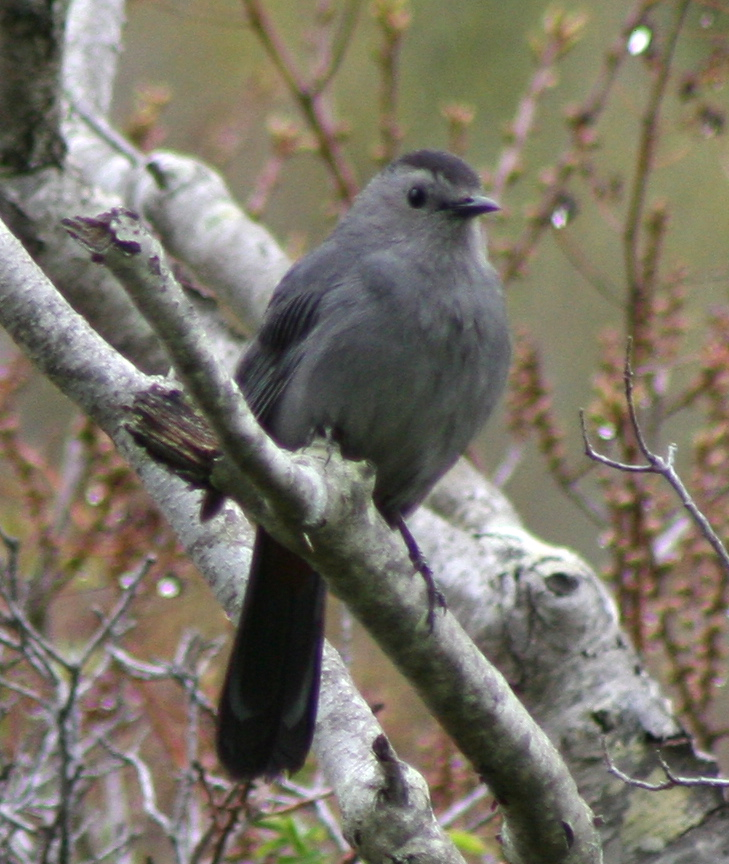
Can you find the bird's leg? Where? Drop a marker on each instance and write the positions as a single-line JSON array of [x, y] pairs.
[[435, 598]]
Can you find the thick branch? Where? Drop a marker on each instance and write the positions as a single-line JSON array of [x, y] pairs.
[[104, 384], [364, 565], [200, 223], [540, 640], [30, 98], [118, 240]]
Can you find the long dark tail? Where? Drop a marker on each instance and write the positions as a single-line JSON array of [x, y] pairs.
[[268, 704]]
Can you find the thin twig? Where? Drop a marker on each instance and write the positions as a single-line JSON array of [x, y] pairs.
[[562, 30], [655, 464], [12, 545], [106, 628], [581, 120], [638, 285], [393, 22], [672, 780], [308, 95], [234, 801], [338, 46], [461, 807], [36, 648], [146, 786]]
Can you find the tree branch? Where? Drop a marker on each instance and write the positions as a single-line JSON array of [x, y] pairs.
[[99, 380], [357, 554], [655, 464]]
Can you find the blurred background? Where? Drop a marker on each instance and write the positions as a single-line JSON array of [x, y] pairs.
[[224, 97], [586, 124], [476, 75]]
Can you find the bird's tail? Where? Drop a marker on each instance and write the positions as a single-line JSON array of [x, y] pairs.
[[269, 698]]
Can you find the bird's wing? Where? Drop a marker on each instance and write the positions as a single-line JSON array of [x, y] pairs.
[[270, 362]]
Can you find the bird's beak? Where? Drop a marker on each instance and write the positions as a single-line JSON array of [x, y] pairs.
[[473, 205]]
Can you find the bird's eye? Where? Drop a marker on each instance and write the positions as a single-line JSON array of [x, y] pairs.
[[417, 196]]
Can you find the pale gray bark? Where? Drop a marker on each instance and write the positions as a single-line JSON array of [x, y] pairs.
[[538, 612]]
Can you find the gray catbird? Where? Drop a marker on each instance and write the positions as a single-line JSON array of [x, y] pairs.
[[391, 337]]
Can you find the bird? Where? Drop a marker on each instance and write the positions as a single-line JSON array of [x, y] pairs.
[[391, 337]]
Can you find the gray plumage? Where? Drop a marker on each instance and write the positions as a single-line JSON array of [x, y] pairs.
[[391, 336]]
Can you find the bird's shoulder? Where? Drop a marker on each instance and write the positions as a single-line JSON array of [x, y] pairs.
[[331, 280], [296, 304], [296, 308]]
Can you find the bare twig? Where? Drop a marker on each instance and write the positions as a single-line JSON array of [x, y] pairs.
[[308, 94], [393, 20], [106, 629], [462, 806], [145, 780], [582, 121], [655, 464], [671, 781], [12, 547], [562, 31], [334, 52], [647, 144], [220, 831], [286, 139]]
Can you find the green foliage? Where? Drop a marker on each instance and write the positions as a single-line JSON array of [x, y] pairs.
[[467, 842], [293, 842]]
